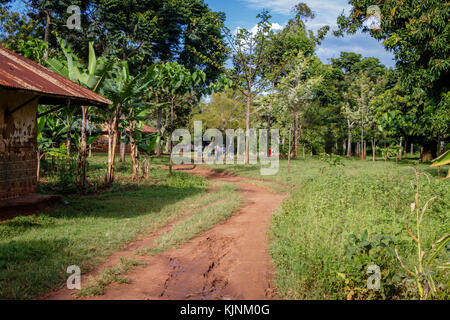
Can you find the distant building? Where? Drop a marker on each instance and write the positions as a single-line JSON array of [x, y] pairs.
[[101, 144], [23, 85]]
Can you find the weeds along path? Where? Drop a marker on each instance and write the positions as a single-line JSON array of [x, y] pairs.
[[229, 261]]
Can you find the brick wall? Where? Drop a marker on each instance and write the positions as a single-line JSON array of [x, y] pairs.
[[17, 145], [101, 145]]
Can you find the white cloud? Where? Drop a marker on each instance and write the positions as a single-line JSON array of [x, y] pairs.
[[326, 11], [275, 27]]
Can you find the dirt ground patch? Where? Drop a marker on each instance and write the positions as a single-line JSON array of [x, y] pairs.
[[230, 261]]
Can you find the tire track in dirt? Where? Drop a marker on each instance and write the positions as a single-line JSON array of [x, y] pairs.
[[230, 261]]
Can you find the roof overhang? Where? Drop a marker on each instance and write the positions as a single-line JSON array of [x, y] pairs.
[[23, 75]]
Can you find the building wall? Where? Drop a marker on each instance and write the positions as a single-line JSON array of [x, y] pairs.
[[101, 145], [18, 143]]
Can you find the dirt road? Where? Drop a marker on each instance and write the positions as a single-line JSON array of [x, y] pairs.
[[230, 261]]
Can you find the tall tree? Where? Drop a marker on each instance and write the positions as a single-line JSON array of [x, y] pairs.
[[419, 40], [248, 53]]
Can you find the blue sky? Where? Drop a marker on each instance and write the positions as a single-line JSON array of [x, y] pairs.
[[242, 13]]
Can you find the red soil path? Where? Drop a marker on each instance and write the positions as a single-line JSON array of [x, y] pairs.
[[230, 261]]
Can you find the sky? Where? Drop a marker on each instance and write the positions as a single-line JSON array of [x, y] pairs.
[[242, 13]]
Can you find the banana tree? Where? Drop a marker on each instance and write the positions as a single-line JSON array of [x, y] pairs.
[[50, 133], [92, 78], [442, 161], [122, 89]]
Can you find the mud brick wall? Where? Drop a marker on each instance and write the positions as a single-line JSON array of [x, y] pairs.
[[101, 145], [18, 144]]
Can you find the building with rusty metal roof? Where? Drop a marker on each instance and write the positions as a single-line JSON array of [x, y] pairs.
[[23, 85]]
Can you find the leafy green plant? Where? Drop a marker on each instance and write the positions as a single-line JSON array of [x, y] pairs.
[[362, 253], [332, 160], [427, 262], [389, 152]]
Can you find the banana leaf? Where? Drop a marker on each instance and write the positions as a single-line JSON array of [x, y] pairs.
[[442, 160]]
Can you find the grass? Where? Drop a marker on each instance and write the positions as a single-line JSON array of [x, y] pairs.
[[36, 250], [331, 228], [272, 186], [108, 276], [202, 220], [322, 238]]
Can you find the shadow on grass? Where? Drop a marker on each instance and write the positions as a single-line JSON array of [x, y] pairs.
[[36, 250], [32, 267], [124, 204]]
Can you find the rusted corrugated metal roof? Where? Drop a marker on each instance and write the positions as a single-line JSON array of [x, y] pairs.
[[20, 73]]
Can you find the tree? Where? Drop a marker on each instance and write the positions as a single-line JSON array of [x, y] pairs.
[[224, 111], [296, 91], [282, 48], [92, 78], [121, 88], [354, 78], [364, 90], [248, 52], [418, 38], [176, 83]]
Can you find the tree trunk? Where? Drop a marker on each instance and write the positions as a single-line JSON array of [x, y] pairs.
[[400, 150], [412, 149], [296, 136], [268, 135], [172, 115], [428, 151], [134, 160], [69, 140], [304, 151], [112, 143], [247, 125], [166, 148], [349, 141], [123, 147], [83, 149], [374, 150], [133, 146], [362, 143], [158, 146], [38, 169], [47, 32], [90, 146], [289, 153], [269, 118]]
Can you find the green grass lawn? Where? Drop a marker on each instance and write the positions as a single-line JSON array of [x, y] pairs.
[[317, 237]]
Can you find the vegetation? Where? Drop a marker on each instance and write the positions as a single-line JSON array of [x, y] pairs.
[[166, 64], [342, 219], [36, 250]]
